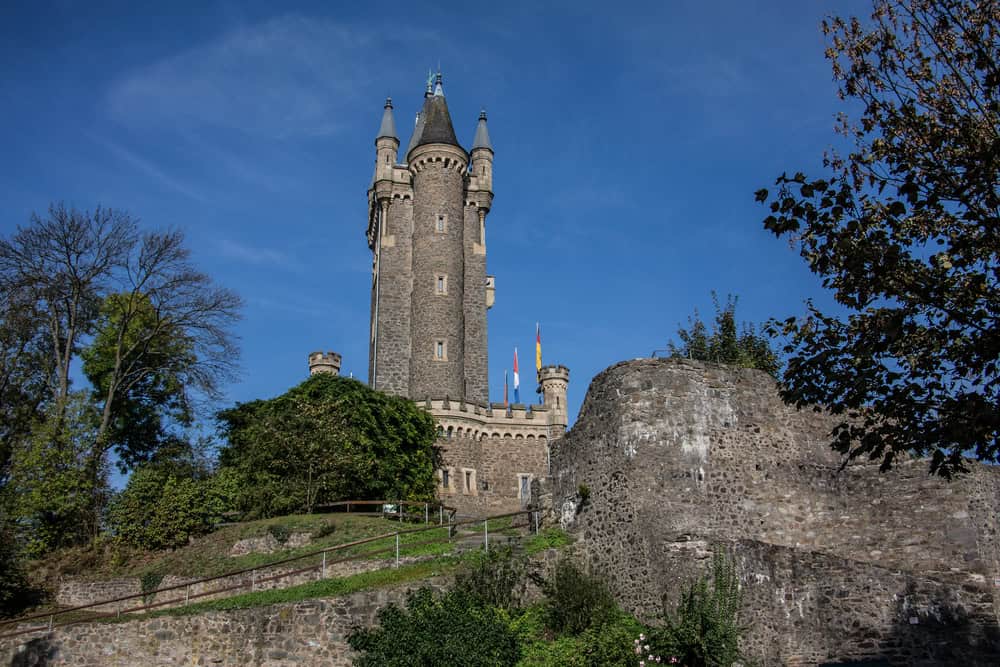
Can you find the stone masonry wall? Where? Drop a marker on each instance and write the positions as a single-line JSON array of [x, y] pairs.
[[497, 462], [76, 593], [394, 307], [438, 190], [474, 308], [312, 632], [681, 457]]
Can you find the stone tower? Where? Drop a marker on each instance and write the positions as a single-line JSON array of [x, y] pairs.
[[324, 362], [427, 233], [554, 381]]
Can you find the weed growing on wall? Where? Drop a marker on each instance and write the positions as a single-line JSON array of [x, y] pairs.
[[704, 629]]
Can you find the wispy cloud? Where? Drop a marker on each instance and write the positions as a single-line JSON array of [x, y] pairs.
[[255, 255], [288, 76], [149, 168]]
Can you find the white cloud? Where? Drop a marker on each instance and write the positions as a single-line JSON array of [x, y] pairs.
[[287, 76]]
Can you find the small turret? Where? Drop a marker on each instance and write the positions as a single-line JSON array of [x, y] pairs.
[[555, 381], [386, 145], [482, 164], [324, 362]]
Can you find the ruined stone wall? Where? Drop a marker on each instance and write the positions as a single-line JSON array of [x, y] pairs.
[[677, 454]]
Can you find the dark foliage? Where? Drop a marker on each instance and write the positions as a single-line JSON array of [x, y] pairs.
[[905, 230], [450, 629]]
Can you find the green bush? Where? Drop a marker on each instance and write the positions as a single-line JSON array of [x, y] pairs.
[[327, 439], [160, 509], [704, 630], [450, 629], [493, 578], [575, 600], [599, 646]]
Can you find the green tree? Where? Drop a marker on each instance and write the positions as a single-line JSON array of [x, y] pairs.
[[327, 439], [726, 343], [164, 506], [451, 629], [53, 494], [904, 230], [153, 335]]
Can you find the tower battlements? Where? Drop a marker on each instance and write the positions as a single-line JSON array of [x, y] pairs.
[[324, 362]]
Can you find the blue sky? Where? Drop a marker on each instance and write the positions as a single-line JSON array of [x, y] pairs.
[[629, 137]]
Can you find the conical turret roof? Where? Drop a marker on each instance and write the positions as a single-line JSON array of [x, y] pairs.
[[434, 122], [482, 138], [388, 126]]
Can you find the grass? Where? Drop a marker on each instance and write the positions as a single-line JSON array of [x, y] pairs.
[[548, 538], [324, 588], [209, 556]]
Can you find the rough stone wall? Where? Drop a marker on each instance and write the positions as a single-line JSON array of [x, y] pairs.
[[394, 307], [78, 593], [73, 593], [312, 632], [474, 307], [680, 457], [437, 190]]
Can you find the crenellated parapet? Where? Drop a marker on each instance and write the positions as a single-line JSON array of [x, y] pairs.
[[324, 362]]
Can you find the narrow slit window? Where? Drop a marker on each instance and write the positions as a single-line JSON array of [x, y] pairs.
[[442, 223], [440, 350]]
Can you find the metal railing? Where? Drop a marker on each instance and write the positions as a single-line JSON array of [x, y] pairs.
[[532, 524]]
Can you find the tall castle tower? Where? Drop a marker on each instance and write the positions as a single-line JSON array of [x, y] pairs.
[[427, 234]]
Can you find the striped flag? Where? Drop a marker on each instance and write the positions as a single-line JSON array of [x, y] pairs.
[[505, 388], [517, 380], [538, 347]]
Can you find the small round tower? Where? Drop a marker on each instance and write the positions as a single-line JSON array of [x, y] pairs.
[[386, 147], [554, 381], [324, 362]]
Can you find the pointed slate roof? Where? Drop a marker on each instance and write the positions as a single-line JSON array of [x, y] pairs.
[[388, 126], [434, 122], [482, 138]]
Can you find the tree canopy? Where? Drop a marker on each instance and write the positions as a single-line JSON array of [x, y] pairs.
[[153, 337], [905, 229], [725, 343], [328, 439]]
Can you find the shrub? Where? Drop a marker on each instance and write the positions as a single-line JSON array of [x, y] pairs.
[[599, 646], [450, 629], [325, 530], [159, 509], [704, 630], [575, 600], [493, 578], [279, 532]]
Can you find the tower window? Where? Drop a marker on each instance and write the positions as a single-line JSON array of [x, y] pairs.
[[440, 284], [440, 350], [445, 479], [441, 224]]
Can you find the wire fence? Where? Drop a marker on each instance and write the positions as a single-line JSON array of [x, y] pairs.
[[390, 509]]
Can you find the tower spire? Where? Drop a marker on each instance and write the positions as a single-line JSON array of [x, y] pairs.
[[388, 127], [482, 138], [438, 88]]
